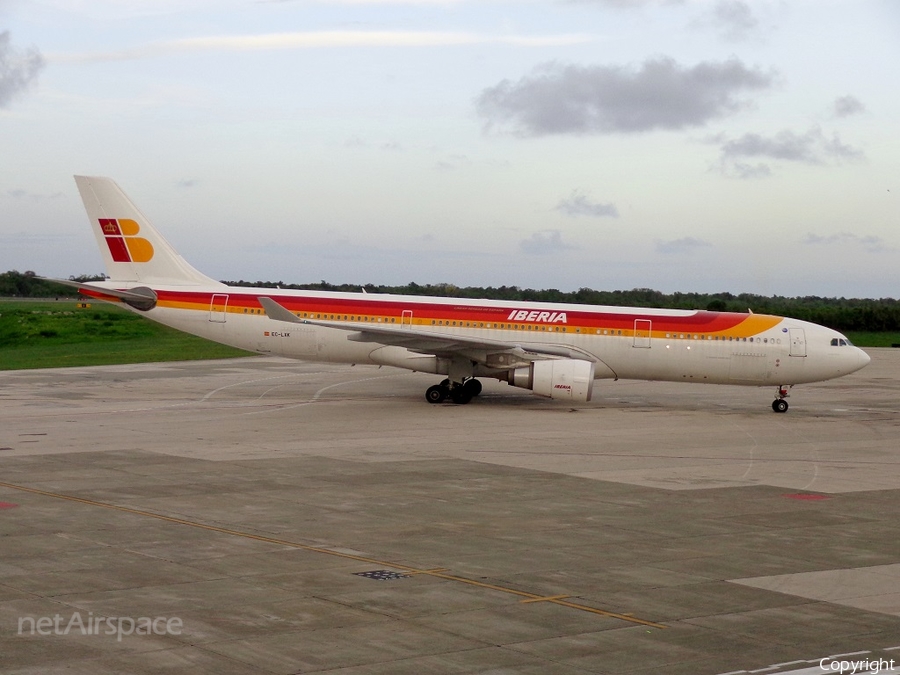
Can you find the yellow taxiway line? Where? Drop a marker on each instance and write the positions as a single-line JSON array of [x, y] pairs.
[[439, 573]]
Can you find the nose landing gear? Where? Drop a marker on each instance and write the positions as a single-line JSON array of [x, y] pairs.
[[779, 405]]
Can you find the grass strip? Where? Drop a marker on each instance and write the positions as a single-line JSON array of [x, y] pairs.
[[55, 334]]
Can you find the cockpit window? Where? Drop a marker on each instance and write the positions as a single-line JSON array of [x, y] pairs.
[[840, 342]]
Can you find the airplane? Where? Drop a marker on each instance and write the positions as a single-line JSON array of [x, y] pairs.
[[554, 350]]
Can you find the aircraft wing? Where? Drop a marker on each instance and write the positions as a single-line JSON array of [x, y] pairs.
[[427, 342]]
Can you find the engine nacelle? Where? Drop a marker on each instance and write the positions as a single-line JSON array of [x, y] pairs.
[[566, 379]]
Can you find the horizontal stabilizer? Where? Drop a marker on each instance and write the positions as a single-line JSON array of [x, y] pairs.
[[140, 297]]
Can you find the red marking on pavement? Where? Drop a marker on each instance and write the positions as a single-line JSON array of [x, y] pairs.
[[807, 497], [7, 505]]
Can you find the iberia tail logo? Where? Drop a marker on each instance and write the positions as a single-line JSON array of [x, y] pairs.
[[124, 246]]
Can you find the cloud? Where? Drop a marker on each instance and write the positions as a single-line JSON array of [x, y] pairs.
[[735, 19], [870, 243], [18, 69], [626, 4], [18, 193], [746, 171], [543, 243], [34, 238], [452, 162], [661, 94], [358, 143], [812, 147], [683, 245], [579, 205], [327, 39], [355, 142], [845, 106]]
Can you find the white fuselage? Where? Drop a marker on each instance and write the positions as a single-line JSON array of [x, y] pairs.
[[627, 343]]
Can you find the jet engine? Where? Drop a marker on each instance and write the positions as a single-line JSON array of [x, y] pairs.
[[566, 379]]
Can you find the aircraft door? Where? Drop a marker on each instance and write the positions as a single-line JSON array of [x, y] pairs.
[[642, 333], [798, 341], [217, 307], [406, 318]]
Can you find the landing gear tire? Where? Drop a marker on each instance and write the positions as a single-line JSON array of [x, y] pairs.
[[473, 387], [459, 395], [779, 405], [436, 394]]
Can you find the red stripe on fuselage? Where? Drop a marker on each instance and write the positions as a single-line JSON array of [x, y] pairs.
[[699, 321]]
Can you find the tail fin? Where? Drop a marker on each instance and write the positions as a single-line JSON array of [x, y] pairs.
[[132, 249]]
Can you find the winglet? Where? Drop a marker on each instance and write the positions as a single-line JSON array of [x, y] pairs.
[[277, 312]]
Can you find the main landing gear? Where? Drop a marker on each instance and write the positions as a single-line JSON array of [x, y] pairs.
[[455, 391], [779, 405]]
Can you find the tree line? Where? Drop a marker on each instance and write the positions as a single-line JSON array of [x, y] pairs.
[[844, 314], [15, 284]]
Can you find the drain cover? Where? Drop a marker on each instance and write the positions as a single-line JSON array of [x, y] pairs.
[[382, 575]]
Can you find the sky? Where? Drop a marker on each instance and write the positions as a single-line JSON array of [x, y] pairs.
[[680, 145]]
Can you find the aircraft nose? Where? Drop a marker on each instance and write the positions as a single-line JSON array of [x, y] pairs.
[[864, 358]]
